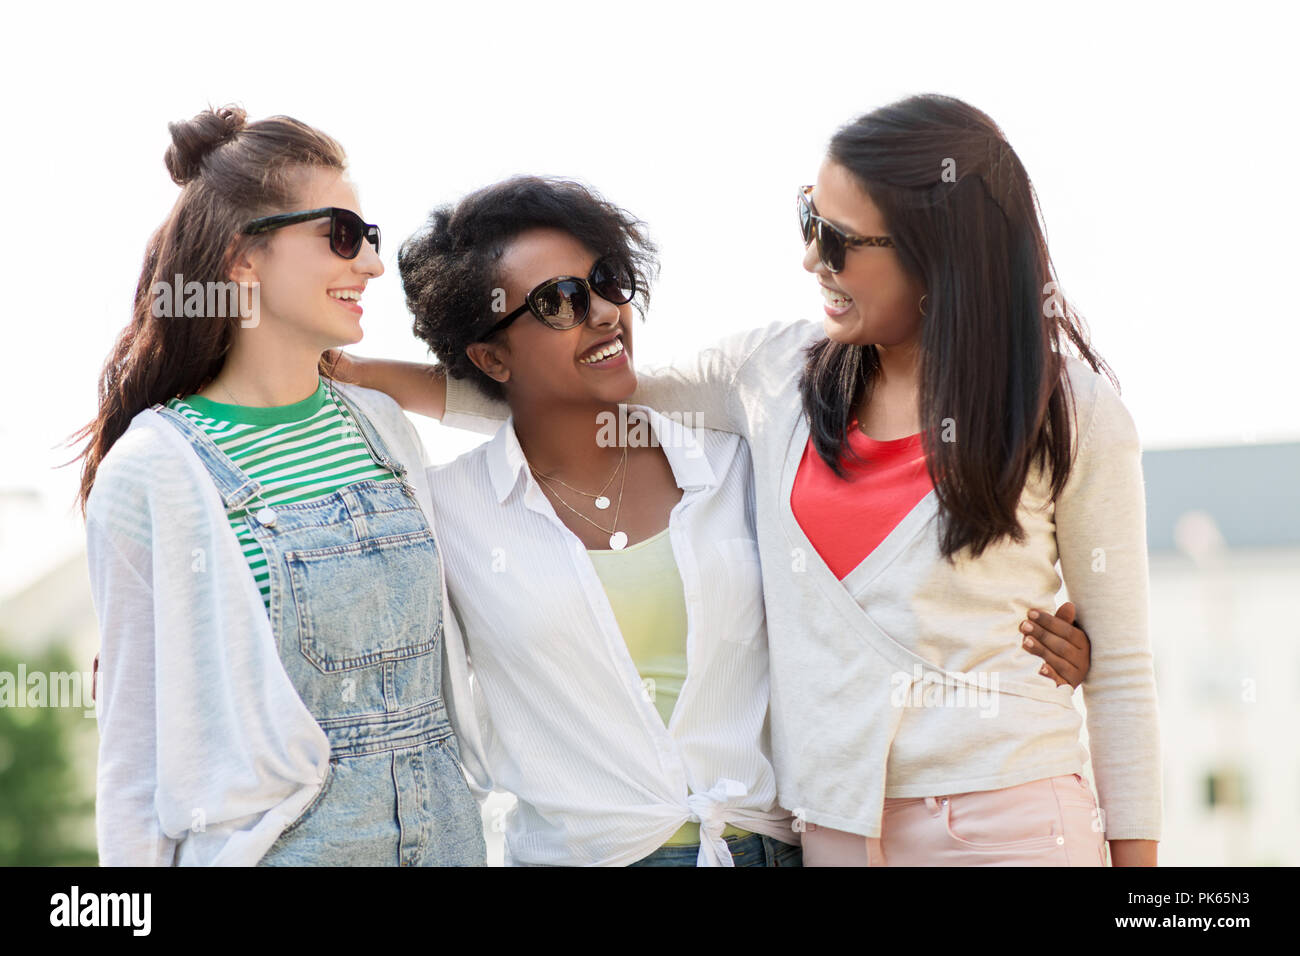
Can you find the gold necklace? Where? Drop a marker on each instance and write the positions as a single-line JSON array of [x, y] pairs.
[[617, 539], [601, 501]]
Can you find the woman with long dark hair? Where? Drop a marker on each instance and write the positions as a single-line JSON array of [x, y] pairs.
[[263, 565], [923, 459]]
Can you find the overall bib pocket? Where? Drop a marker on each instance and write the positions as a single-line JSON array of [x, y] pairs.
[[328, 602]]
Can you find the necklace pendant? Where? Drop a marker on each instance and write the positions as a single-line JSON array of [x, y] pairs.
[[618, 540], [602, 502]]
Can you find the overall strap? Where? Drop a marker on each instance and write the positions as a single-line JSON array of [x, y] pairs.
[[378, 450], [235, 486]]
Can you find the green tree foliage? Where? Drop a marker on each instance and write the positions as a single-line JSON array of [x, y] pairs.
[[46, 798]]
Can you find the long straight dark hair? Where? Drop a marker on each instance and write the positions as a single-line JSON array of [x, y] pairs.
[[965, 221], [230, 172]]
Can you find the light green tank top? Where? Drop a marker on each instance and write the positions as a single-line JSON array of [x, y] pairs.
[[645, 592]]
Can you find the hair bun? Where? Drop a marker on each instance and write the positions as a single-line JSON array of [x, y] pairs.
[[193, 139]]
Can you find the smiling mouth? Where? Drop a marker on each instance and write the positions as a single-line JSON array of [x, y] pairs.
[[835, 299], [607, 351]]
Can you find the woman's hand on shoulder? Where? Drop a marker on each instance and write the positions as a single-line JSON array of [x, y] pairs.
[[416, 386]]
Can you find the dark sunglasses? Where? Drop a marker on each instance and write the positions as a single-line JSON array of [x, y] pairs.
[[564, 302], [347, 229], [833, 243]]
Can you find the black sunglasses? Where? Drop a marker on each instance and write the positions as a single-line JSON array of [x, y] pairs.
[[347, 229], [833, 243], [564, 302]]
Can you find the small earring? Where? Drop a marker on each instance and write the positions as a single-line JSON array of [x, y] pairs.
[[920, 306]]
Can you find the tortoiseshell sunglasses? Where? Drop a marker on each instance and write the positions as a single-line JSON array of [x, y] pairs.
[[833, 243]]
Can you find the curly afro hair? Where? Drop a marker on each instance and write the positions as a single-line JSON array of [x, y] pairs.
[[450, 267]]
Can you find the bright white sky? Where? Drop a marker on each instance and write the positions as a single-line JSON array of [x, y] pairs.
[[1161, 141]]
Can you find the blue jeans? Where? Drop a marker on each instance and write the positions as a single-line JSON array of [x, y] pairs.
[[752, 850], [356, 611]]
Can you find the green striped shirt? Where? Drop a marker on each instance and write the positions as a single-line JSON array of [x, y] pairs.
[[299, 452]]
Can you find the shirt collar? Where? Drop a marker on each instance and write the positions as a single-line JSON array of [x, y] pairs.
[[691, 468]]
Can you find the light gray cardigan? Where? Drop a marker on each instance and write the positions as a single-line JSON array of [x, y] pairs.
[[206, 751], [908, 678]]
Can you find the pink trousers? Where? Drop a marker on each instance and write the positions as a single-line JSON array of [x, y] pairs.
[[1049, 822]]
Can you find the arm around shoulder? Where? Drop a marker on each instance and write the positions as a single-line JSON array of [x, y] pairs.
[[706, 386], [418, 387], [425, 389], [702, 387]]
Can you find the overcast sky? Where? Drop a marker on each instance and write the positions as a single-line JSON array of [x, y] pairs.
[[1161, 142]]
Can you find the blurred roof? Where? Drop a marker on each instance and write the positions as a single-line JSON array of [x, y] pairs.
[[1252, 492]]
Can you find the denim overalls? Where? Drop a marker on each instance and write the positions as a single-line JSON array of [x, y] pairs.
[[356, 610]]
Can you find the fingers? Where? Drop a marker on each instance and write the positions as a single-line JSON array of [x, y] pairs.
[[1057, 653], [1059, 626], [1048, 671], [1067, 640], [1051, 642], [340, 365], [1054, 665], [1071, 641]]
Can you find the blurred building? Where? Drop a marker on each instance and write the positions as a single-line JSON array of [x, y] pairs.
[[1223, 529]]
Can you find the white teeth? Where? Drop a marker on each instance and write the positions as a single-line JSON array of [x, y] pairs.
[[836, 300], [351, 294], [608, 351]]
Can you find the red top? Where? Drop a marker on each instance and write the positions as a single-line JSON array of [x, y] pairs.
[[847, 519]]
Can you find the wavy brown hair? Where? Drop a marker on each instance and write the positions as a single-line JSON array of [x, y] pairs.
[[229, 171], [965, 221]]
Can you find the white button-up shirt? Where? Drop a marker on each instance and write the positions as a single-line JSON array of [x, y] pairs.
[[563, 719]]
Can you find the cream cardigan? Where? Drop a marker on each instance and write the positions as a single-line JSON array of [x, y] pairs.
[[909, 678]]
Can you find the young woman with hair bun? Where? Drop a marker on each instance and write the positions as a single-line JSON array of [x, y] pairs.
[[263, 562]]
